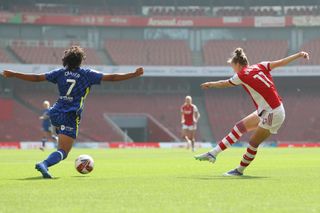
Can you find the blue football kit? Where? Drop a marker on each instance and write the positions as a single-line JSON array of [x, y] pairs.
[[73, 86]]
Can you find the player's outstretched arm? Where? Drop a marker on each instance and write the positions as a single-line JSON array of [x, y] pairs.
[[287, 60], [123, 76], [216, 84], [24, 76]]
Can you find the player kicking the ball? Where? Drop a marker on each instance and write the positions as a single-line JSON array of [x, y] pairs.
[[74, 85], [266, 120]]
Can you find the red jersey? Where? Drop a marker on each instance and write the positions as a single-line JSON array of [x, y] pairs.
[[188, 111], [257, 81]]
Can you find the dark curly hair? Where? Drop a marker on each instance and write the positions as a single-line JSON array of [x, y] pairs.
[[239, 57], [73, 57]]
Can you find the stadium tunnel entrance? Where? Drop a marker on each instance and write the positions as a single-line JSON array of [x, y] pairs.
[[139, 127]]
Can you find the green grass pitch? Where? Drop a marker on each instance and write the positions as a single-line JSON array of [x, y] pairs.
[[163, 180]]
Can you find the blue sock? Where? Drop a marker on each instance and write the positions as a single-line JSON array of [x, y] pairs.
[[44, 140], [55, 157]]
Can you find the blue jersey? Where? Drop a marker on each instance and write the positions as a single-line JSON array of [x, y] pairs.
[[46, 123], [74, 86]]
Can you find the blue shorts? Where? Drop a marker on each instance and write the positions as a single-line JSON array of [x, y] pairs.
[[46, 127], [66, 123]]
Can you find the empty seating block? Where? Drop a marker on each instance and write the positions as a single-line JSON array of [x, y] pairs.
[[93, 127], [150, 52], [313, 48], [227, 107], [177, 12], [50, 55], [24, 125], [4, 58], [217, 52], [246, 12]]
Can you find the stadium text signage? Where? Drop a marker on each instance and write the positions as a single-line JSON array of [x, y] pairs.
[[161, 21]]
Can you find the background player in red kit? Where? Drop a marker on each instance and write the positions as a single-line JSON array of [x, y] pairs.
[[189, 119], [269, 116]]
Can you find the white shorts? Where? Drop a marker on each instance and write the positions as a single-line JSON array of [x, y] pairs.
[[191, 127], [272, 120]]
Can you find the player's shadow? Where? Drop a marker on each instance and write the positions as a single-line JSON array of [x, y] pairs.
[[203, 177], [244, 177], [37, 178]]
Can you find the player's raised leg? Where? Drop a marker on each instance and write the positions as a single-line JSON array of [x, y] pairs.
[[247, 124], [64, 147], [270, 122], [256, 139]]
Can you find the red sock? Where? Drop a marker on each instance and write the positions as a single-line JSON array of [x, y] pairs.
[[247, 158], [238, 130]]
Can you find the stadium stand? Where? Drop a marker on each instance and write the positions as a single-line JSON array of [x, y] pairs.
[[124, 10], [313, 47], [216, 52], [150, 52], [246, 12], [93, 129], [74, 10], [4, 58], [303, 11], [227, 107], [208, 10], [165, 108], [301, 121], [154, 11], [43, 9], [168, 52], [49, 55], [224, 109], [18, 125]]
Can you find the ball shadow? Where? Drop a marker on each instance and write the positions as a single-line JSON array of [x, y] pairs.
[[80, 176]]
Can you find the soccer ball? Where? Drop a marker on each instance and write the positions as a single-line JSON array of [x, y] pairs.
[[84, 164]]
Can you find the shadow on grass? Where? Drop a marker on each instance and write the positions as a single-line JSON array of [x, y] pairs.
[[80, 176], [240, 177], [245, 177], [55, 178], [37, 178]]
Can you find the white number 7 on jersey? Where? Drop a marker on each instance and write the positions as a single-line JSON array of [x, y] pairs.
[[262, 77], [73, 83]]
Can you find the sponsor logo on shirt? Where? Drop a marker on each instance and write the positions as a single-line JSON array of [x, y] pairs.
[[66, 98]]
